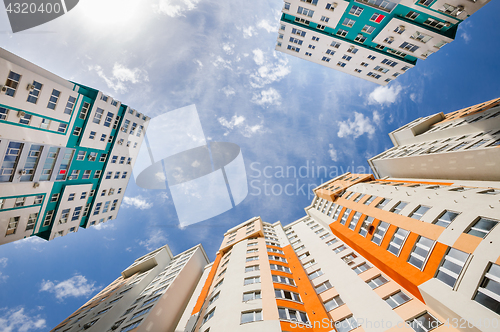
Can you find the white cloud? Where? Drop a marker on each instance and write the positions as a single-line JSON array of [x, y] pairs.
[[228, 48], [356, 128], [264, 24], [175, 8], [377, 118], [228, 91], [156, 239], [333, 153], [235, 121], [248, 32], [105, 225], [220, 62], [269, 97], [239, 122], [466, 37], [258, 57], [384, 95], [268, 71], [75, 286], [120, 76], [3, 261], [138, 202], [413, 97], [17, 320]]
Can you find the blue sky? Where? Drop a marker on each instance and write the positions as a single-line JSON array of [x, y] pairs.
[[160, 55]]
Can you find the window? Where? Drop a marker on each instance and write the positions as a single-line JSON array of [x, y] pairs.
[[92, 135], [425, 2], [424, 323], [249, 296], [80, 155], [323, 287], [251, 316], [348, 22], [451, 266], [38, 200], [12, 83], [117, 175], [345, 216], [287, 295], [397, 241], [400, 206], [314, 38], [339, 249], [208, 316], [354, 220], [409, 47], [377, 18], [97, 174], [251, 280], [20, 201], [305, 11], [333, 303], [142, 312], [293, 315], [48, 218], [355, 10], [335, 44], [252, 258], [103, 137], [4, 112], [71, 197], [324, 19], [333, 241], [360, 38], [282, 268], [377, 282], [419, 212], [347, 57], [12, 226], [382, 203], [434, 23], [283, 280], [482, 227], [69, 105], [347, 324], [412, 15], [31, 221], [380, 232], [108, 119], [34, 93], [25, 119], [361, 268], [108, 175], [64, 216], [342, 33], [315, 274], [98, 115], [397, 299], [421, 252], [488, 292]]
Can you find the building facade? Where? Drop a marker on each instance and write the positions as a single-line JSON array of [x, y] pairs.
[[461, 145], [66, 152], [150, 295], [376, 40]]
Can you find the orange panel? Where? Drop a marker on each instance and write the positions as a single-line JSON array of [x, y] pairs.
[[467, 243], [204, 292], [312, 304], [396, 268]]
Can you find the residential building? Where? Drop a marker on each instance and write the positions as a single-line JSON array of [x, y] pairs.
[[437, 240], [460, 145], [150, 295], [376, 40], [66, 152]]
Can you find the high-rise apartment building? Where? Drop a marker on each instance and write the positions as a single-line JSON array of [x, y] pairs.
[[66, 152], [150, 295], [376, 40], [461, 145]]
